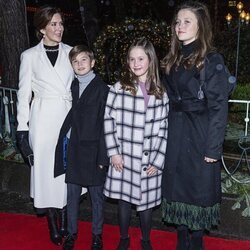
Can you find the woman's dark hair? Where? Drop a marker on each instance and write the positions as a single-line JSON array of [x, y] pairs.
[[203, 41], [43, 16], [129, 80]]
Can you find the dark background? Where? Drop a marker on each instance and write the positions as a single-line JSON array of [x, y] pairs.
[[88, 21], [99, 13]]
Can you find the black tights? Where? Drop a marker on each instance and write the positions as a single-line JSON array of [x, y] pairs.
[[124, 215], [197, 233]]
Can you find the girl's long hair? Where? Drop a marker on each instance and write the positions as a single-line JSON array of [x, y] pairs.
[[203, 43], [129, 80]]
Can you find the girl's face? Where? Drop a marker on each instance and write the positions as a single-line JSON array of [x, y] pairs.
[[139, 63], [53, 31], [82, 64], [186, 27]]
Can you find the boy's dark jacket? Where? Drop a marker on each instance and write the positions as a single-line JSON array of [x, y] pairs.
[[86, 148]]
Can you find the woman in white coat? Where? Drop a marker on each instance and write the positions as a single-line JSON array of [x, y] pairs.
[[44, 99], [136, 136]]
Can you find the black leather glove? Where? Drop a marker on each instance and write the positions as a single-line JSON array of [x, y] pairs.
[[22, 138]]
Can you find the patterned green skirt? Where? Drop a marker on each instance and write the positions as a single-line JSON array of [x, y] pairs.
[[196, 218]]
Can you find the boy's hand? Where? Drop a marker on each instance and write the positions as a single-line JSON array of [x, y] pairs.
[[117, 162], [151, 170]]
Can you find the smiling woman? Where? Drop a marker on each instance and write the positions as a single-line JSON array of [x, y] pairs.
[[44, 82], [53, 31]]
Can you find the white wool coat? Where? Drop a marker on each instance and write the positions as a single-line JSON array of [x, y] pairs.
[[44, 99], [139, 134]]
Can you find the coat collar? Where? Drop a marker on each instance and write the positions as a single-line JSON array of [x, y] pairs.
[[89, 88], [62, 66]]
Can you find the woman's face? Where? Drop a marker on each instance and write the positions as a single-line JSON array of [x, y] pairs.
[[53, 31], [186, 27], [139, 63]]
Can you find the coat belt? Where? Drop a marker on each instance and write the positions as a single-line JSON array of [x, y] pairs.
[[184, 106], [63, 97]]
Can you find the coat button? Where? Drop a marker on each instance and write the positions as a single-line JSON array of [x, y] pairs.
[[144, 169], [146, 153]]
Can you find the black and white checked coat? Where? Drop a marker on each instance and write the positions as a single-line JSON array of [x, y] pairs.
[[139, 134]]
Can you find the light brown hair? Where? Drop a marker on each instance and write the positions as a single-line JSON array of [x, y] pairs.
[[76, 50], [129, 80]]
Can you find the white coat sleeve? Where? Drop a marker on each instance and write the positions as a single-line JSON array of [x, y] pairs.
[[24, 93], [110, 128]]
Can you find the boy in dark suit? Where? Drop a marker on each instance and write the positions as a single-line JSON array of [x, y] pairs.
[[81, 150]]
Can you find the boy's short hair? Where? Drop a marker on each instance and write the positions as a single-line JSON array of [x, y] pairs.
[[76, 50]]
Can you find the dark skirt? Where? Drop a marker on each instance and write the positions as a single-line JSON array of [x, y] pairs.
[[194, 217]]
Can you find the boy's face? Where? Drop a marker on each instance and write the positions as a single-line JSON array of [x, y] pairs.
[[82, 64]]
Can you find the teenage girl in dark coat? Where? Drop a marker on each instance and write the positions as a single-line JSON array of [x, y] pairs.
[[191, 177]]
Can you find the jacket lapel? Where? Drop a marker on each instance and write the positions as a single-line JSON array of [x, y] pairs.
[[75, 92], [60, 71], [86, 93], [61, 63], [44, 58]]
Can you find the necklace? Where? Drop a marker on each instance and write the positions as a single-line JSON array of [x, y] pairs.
[[51, 50]]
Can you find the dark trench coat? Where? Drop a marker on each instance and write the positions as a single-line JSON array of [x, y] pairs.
[[86, 148], [196, 129]]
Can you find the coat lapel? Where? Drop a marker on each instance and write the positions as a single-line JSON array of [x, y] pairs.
[[75, 92], [62, 62], [44, 58], [86, 93], [60, 71]]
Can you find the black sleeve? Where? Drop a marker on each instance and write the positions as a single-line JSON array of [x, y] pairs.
[[217, 99], [103, 158]]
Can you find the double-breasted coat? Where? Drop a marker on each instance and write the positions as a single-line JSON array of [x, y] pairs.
[[86, 149], [196, 129], [139, 134], [44, 99]]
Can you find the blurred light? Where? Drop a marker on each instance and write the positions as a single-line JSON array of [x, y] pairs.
[[229, 18], [239, 6]]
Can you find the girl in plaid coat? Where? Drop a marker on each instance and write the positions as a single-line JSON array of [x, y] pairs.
[[135, 125]]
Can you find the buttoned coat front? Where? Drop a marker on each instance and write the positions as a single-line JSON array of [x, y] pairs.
[[44, 99], [86, 149], [139, 134], [196, 131]]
